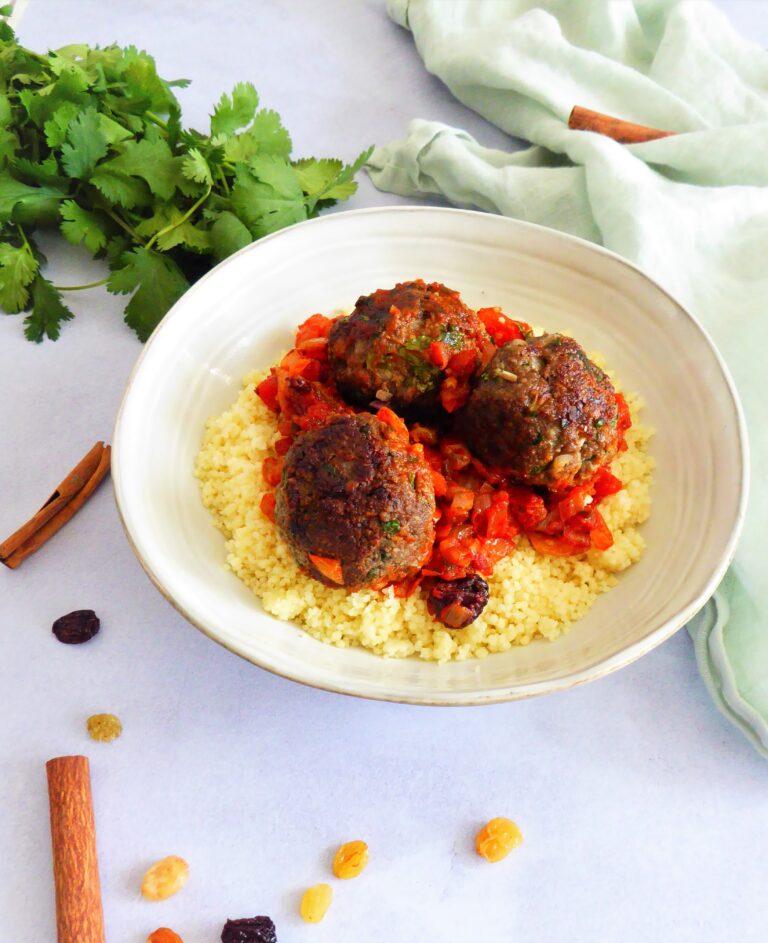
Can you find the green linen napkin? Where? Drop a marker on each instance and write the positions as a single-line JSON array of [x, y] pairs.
[[691, 210]]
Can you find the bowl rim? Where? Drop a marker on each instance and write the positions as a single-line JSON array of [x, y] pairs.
[[515, 692]]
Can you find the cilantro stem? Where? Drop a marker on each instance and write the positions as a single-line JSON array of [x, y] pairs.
[[151, 116], [122, 223], [24, 238], [223, 178], [81, 287], [183, 219]]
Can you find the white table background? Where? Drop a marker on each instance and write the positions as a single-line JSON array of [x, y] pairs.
[[645, 814]]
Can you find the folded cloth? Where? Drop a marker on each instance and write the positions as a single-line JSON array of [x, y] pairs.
[[691, 209]]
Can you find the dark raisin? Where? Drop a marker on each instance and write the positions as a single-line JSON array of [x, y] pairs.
[[249, 930], [457, 603], [76, 627]]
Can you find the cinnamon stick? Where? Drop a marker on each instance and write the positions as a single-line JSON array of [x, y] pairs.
[[79, 916], [625, 132], [62, 505]]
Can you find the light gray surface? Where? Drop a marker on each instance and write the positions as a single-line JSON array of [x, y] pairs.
[[645, 814]]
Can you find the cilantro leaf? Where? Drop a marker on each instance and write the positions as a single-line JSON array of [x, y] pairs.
[[82, 226], [266, 135], [151, 160], [229, 235], [326, 189], [119, 188], [159, 284], [18, 268], [85, 144], [268, 196], [13, 194], [57, 125], [48, 312], [195, 167], [235, 111]]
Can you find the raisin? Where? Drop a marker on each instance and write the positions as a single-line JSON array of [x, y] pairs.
[[165, 878], [104, 727], [249, 930], [77, 627], [350, 860], [315, 902], [457, 603], [164, 935], [495, 840]]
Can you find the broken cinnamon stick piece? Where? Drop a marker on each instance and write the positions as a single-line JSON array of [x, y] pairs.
[[79, 916], [625, 132], [62, 505]]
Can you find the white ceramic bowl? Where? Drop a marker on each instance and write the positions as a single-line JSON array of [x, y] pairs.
[[242, 315]]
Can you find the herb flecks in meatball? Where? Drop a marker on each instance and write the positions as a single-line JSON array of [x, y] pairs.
[[397, 344], [356, 503], [543, 412]]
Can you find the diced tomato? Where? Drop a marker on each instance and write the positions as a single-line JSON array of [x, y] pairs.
[[423, 434], [601, 536], [526, 507], [605, 483], [455, 454], [390, 418], [462, 365], [501, 328], [282, 445], [491, 551], [408, 586], [573, 502], [267, 392], [492, 475], [285, 425], [316, 348], [295, 364], [453, 394], [267, 505], [316, 326], [272, 470], [554, 546], [439, 483], [624, 420], [461, 505], [330, 568], [454, 551], [439, 354]]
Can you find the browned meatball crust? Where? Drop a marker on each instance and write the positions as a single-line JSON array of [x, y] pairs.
[[543, 412], [382, 350], [351, 491]]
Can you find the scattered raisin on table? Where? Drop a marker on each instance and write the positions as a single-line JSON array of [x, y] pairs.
[[495, 840], [249, 930], [76, 627], [457, 603], [165, 878], [315, 902], [350, 860], [104, 727], [164, 935]]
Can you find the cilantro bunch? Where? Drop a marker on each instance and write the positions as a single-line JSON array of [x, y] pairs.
[[91, 142]]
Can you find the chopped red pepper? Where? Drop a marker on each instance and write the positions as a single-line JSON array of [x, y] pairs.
[[439, 354], [501, 328], [316, 326], [267, 392], [272, 470], [329, 567], [267, 505]]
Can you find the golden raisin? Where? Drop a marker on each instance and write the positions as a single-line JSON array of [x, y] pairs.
[[350, 860], [165, 878], [495, 840], [315, 902], [104, 727], [164, 935]]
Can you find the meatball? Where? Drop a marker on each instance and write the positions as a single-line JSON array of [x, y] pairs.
[[543, 412], [352, 492], [396, 343]]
